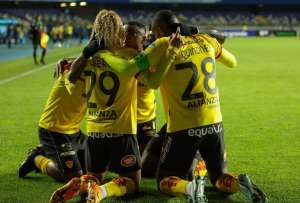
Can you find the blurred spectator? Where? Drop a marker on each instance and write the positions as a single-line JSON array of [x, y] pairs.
[[9, 35], [54, 34], [60, 33], [69, 34]]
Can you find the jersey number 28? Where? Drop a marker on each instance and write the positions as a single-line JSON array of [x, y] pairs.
[[210, 75]]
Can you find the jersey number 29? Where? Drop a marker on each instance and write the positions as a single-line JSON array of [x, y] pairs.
[[112, 92]]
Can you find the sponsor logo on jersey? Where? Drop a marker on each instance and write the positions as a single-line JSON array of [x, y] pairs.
[[208, 130], [103, 115], [97, 135], [202, 101], [128, 160]]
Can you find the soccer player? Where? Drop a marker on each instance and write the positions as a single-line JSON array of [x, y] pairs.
[[111, 122], [61, 154], [151, 154], [146, 105], [191, 103], [36, 29]]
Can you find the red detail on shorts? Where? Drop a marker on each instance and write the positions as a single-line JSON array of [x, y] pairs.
[[128, 160]]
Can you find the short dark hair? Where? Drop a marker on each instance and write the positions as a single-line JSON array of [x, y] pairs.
[[167, 18], [138, 25]]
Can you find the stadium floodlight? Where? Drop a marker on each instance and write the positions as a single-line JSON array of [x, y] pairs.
[[83, 3], [73, 4], [63, 5]]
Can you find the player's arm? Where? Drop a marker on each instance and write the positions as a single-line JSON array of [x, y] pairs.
[[227, 58], [77, 86], [71, 87], [221, 54], [153, 78], [80, 62], [151, 57]]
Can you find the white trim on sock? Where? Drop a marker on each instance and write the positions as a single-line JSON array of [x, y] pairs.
[[103, 191], [189, 190]]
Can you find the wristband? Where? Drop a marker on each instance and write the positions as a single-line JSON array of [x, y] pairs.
[[142, 61]]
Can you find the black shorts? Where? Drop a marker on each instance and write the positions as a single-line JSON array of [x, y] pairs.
[[119, 152], [180, 149], [151, 156], [64, 150], [146, 131]]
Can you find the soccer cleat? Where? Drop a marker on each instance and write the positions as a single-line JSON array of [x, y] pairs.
[[66, 192], [28, 164], [93, 192], [198, 190], [250, 190]]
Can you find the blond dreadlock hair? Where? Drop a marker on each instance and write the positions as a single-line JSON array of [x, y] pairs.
[[108, 27]]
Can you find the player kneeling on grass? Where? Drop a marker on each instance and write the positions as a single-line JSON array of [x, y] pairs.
[[61, 154], [194, 120], [111, 122], [153, 148]]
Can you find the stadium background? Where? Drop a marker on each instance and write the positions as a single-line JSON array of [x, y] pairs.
[[260, 99]]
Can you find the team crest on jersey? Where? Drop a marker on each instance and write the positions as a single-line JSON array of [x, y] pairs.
[[69, 163], [128, 160]]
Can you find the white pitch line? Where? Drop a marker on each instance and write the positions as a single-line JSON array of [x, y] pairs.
[[24, 74]]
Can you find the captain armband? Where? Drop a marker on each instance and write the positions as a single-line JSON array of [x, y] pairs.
[[142, 62]]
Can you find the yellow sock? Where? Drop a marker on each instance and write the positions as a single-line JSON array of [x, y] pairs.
[[228, 183], [120, 186], [41, 163], [117, 187], [173, 185]]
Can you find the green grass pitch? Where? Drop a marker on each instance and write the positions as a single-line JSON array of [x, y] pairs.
[[260, 105]]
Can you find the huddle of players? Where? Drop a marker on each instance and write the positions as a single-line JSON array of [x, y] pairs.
[[109, 86]]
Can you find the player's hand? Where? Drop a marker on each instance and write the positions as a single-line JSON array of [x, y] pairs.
[[93, 47], [175, 39], [61, 66]]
